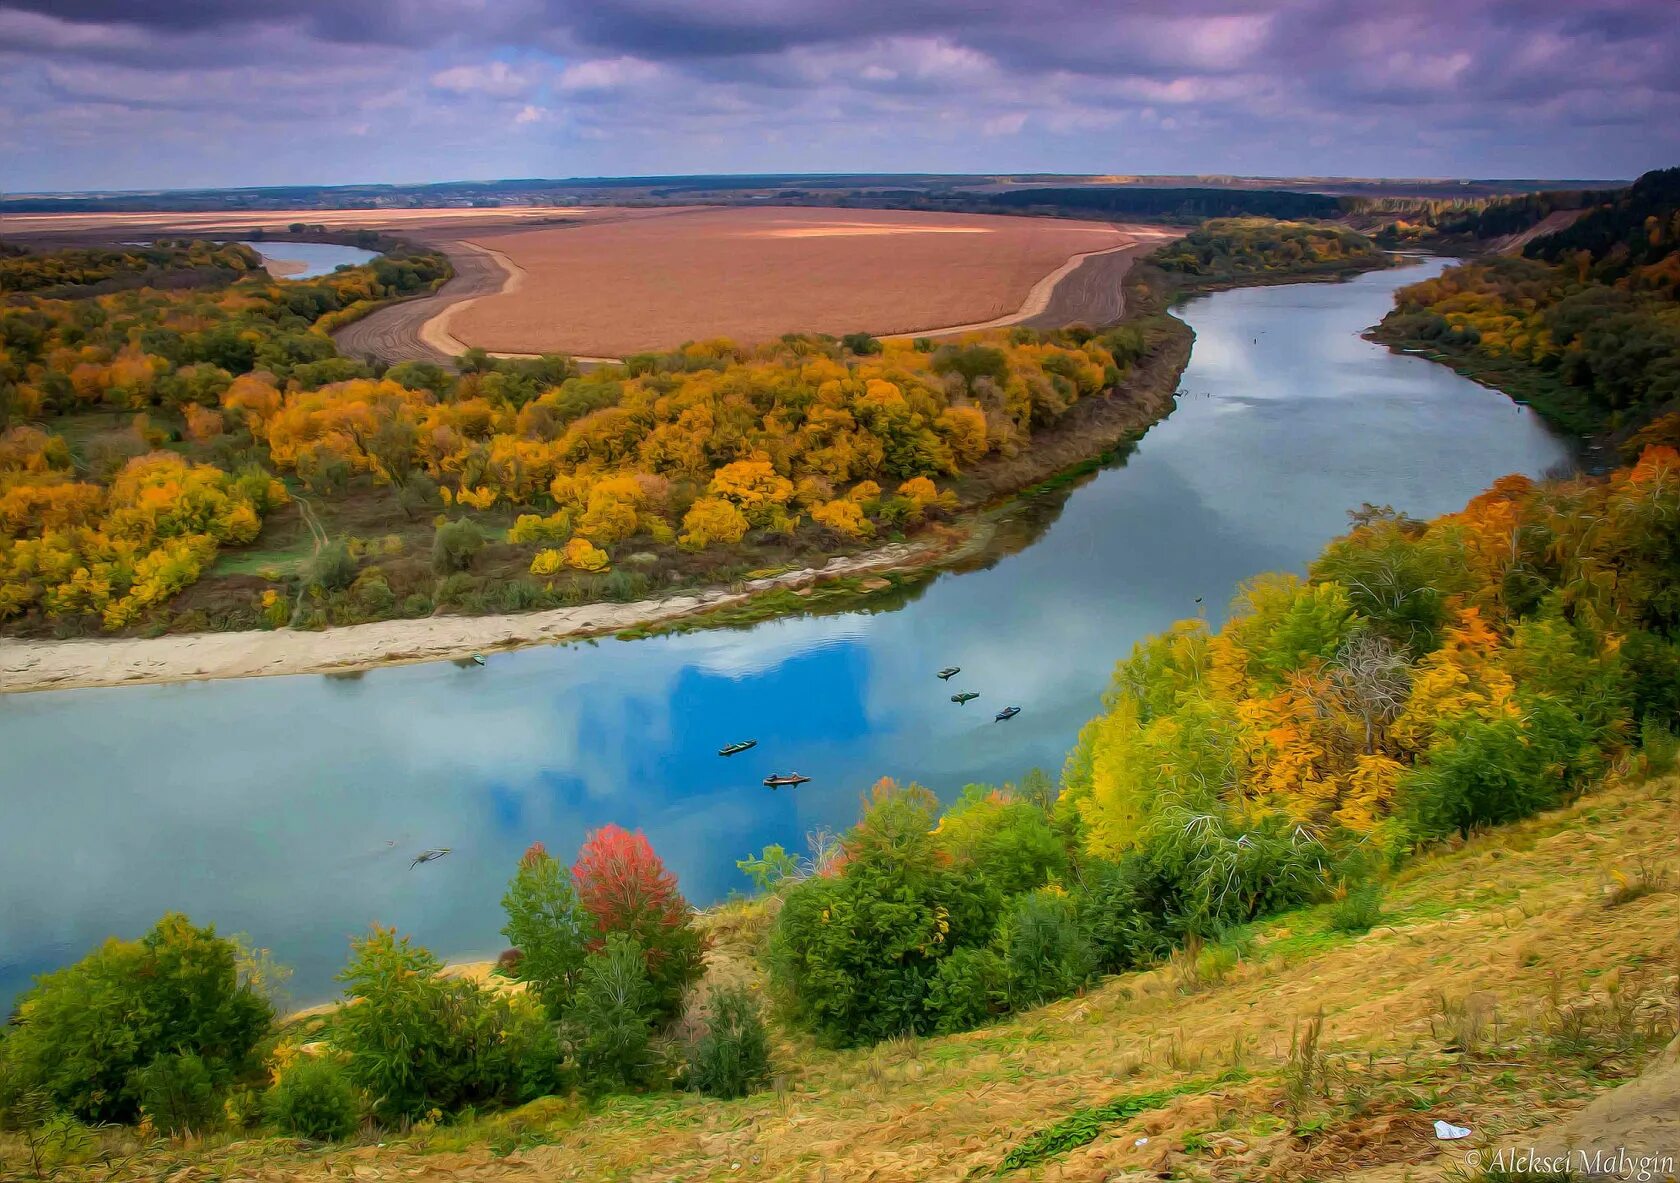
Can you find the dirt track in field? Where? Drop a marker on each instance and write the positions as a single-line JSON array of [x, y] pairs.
[[752, 274], [395, 333]]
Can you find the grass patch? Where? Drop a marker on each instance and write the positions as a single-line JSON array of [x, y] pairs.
[[1084, 1126]]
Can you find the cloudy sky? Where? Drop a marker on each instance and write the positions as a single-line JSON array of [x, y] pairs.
[[148, 93]]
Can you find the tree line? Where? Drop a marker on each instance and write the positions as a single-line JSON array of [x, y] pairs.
[[1584, 325]]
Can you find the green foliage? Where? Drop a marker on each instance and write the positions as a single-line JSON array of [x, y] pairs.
[[612, 1019], [854, 954], [1483, 772], [549, 926], [731, 1057], [177, 1094], [970, 987], [1083, 1126], [769, 867], [1114, 914], [1359, 909], [1009, 843], [1043, 948], [1244, 248], [314, 1099], [455, 545], [334, 568], [418, 1041], [83, 1035]]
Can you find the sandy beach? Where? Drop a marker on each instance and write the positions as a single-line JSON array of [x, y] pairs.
[[27, 665]]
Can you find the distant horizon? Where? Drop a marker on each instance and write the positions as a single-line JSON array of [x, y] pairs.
[[580, 181]]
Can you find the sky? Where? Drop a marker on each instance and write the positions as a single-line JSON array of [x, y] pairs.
[[139, 94]]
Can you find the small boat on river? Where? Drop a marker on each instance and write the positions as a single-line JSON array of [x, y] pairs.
[[949, 672], [791, 778], [478, 658], [965, 696], [737, 748], [1006, 714], [426, 856]]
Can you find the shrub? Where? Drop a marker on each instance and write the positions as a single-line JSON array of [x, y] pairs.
[[418, 1041], [81, 1034], [314, 1099], [731, 1058], [1113, 915], [1485, 771], [455, 545], [613, 1016], [549, 926], [854, 954], [177, 1094], [1045, 954], [969, 988], [625, 887], [1358, 909], [334, 567], [1009, 843], [769, 867]]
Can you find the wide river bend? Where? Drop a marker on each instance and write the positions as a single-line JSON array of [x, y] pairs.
[[290, 808]]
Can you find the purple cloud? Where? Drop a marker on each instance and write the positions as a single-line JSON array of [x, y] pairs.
[[112, 94]]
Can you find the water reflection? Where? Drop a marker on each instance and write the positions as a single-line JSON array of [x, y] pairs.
[[290, 808]]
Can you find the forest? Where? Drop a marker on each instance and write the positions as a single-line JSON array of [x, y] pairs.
[[1586, 325], [1253, 250], [1441, 224], [91, 271], [154, 432], [1425, 681]]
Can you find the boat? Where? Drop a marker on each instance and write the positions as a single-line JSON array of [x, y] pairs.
[[965, 696], [791, 778], [1006, 714], [949, 672], [478, 659], [426, 856], [736, 748]]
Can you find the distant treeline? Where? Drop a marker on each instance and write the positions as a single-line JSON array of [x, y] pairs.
[[1586, 327], [1227, 250], [1437, 222], [98, 270], [1175, 204]]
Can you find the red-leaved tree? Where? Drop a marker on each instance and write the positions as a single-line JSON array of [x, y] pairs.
[[625, 887]]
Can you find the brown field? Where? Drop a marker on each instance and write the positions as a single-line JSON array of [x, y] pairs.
[[610, 288]]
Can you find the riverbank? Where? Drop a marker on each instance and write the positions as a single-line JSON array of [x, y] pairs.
[[1090, 431], [82, 664]]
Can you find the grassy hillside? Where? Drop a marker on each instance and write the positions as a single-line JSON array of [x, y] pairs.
[[1510, 979]]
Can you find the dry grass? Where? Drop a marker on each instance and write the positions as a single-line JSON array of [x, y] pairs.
[[1499, 993], [619, 287]]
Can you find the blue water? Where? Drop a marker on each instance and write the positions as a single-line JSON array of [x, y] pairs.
[[290, 808], [319, 258]]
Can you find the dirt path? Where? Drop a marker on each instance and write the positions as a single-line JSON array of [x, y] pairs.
[[397, 333], [1088, 289], [1512, 244]]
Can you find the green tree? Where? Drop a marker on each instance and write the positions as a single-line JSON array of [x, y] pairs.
[[612, 1018], [549, 926], [82, 1035]]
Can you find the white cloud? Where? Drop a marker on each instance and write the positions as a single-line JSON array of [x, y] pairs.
[[493, 79]]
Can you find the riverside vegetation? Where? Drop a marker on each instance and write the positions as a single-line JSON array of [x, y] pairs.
[[204, 459], [1425, 682], [1585, 325]]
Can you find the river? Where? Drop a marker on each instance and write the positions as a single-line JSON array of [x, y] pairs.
[[290, 808], [317, 258]]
